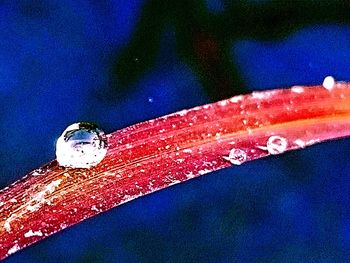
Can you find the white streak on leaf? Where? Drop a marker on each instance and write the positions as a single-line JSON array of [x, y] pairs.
[[32, 233]]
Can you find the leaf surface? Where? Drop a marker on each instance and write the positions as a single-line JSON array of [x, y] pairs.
[[155, 154]]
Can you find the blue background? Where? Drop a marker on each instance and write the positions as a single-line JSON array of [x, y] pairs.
[[121, 62]]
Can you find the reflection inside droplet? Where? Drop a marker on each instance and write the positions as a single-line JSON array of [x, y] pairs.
[[81, 145]]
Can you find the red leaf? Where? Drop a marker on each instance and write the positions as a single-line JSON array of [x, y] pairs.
[[152, 155]]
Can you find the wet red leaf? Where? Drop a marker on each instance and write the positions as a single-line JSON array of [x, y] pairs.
[[155, 154]]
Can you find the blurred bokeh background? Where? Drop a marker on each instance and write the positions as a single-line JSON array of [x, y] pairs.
[[117, 63]]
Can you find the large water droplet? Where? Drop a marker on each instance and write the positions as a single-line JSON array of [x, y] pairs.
[[276, 144], [81, 145], [236, 156]]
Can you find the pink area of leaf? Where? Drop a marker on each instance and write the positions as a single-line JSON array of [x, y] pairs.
[[155, 154]]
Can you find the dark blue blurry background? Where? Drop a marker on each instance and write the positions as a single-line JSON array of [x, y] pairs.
[[121, 62]]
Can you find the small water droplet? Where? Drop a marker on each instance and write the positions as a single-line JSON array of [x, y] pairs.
[[276, 144], [297, 89], [81, 145], [328, 82], [236, 156]]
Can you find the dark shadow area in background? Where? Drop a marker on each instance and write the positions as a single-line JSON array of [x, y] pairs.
[[204, 38]]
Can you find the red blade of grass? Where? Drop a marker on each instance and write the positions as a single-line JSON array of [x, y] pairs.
[[155, 154]]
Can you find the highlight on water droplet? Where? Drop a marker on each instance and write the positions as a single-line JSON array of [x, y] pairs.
[[236, 156], [276, 144], [328, 82], [81, 145]]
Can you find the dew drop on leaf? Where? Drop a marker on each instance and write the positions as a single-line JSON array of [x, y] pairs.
[[81, 145], [236, 156], [276, 144], [328, 82]]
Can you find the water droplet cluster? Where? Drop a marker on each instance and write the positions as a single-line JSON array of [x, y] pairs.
[[81, 145]]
